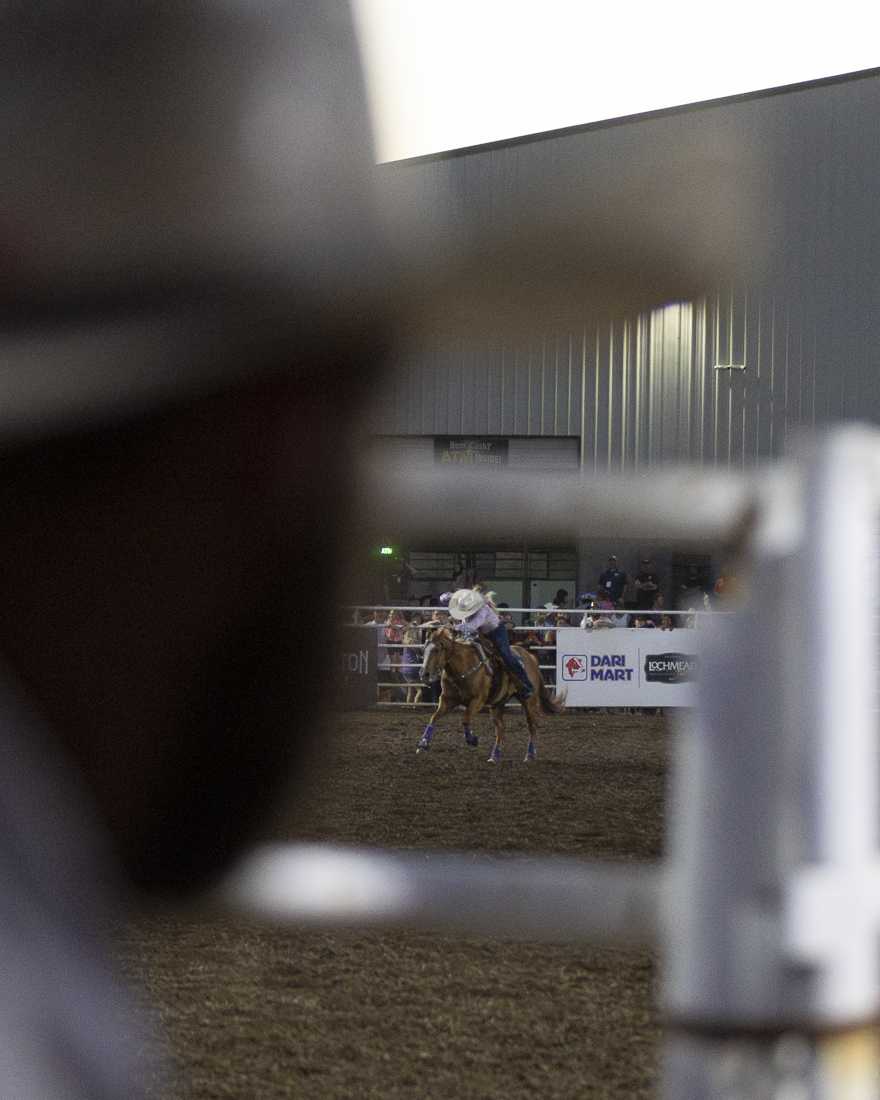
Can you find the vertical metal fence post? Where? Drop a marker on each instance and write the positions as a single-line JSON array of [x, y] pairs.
[[772, 975]]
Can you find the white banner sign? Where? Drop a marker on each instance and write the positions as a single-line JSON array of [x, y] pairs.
[[620, 667]]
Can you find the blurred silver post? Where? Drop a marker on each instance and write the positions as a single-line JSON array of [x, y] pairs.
[[771, 941]]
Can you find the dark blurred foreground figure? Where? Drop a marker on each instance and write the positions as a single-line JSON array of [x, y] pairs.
[[187, 314]]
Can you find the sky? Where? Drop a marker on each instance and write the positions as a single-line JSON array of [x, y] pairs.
[[448, 74]]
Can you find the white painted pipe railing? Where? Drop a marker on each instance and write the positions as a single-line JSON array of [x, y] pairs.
[[548, 899]]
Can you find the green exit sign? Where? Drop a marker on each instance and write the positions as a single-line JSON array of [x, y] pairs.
[[386, 551]]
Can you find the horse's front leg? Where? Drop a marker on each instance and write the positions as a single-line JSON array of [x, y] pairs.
[[498, 723], [428, 734]]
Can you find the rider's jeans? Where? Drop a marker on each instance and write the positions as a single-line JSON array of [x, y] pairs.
[[502, 643]]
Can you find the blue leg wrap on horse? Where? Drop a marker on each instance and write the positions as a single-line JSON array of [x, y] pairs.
[[429, 732]]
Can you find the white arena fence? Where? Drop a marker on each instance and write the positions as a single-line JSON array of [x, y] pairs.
[[765, 910], [395, 674]]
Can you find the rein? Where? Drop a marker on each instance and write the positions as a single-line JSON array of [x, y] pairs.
[[460, 677], [484, 661]]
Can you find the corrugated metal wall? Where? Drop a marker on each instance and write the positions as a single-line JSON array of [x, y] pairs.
[[636, 392], [643, 391]]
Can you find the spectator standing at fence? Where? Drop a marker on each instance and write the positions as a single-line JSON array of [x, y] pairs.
[[728, 587], [630, 596], [605, 605], [660, 609], [549, 631], [383, 656], [529, 637], [612, 580], [690, 591], [647, 585], [506, 617], [620, 616], [592, 619], [394, 630], [378, 621], [412, 659]]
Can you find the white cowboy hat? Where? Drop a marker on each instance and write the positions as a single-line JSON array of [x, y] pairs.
[[464, 603]]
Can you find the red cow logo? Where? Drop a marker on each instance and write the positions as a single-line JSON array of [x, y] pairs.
[[574, 667]]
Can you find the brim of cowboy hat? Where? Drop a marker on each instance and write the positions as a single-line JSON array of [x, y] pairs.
[[173, 257], [460, 615]]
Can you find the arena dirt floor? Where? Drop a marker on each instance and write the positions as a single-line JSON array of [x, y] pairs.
[[256, 1013]]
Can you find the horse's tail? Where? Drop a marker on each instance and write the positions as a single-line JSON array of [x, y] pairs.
[[550, 703]]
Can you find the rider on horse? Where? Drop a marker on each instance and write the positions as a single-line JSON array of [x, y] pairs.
[[474, 613]]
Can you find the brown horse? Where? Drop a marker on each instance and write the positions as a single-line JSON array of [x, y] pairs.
[[473, 676]]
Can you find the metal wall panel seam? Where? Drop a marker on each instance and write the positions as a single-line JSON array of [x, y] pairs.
[[814, 357], [461, 421], [529, 384], [596, 404], [715, 373], [583, 454], [773, 374], [542, 403], [556, 373], [624, 392], [609, 461], [650, 359], [501, 389], [746, 392], [639, 380], [759, 404], [731, 309], [688, 358], [700, 352], [786, 361], [515, 393], [680, 384]]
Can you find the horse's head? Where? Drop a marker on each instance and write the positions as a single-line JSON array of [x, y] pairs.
[[438, 642]]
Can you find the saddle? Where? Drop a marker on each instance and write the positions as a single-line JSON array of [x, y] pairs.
[[491, 658]]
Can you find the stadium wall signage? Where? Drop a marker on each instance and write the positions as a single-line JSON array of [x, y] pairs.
[[627, 668], [356, 653], [470, 451]]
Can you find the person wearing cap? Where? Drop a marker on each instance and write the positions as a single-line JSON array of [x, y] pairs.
[[612, 580], [647, 585], [192, 296], [474, 613], [561, 597]]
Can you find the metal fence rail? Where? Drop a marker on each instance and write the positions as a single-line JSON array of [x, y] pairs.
[[687, 620], [553, 900]]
